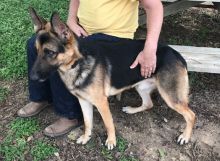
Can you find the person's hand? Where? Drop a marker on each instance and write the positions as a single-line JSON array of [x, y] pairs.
[[78, 30], [147, 60]]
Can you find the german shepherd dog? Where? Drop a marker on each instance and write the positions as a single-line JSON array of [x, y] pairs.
[[92, 75]]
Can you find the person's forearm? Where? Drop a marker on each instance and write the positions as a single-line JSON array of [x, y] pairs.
[[154, 11], [73, 8]]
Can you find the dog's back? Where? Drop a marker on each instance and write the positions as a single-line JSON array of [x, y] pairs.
[[116, 58]]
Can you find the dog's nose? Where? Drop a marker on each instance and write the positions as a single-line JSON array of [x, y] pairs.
[[34, 76]]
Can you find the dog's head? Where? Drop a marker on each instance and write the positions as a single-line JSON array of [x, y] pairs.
[[56, 46]]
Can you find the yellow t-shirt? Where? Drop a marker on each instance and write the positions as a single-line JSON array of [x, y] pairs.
[[113, 17]]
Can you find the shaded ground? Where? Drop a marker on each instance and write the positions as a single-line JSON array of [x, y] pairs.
[[196, 26], [150, 134]]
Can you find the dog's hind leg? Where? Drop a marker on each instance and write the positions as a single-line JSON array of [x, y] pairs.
[[174, 90], [144, 89]]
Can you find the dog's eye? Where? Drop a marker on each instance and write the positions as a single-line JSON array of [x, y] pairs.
[[50, 53]]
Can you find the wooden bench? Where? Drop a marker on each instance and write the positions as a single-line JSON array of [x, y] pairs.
[[199, 59]]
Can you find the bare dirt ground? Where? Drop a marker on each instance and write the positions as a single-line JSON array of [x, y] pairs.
[[150, 132]]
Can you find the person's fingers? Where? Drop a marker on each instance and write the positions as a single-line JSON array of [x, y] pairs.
[[77, 32], [149, 72], [146, 69], [134, 64], [83, 32], [143, 72]]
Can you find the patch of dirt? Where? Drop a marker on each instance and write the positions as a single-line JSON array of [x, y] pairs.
[[148, 132], [195, 26]]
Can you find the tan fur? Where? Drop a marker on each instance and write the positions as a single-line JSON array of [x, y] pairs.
[[183, 89], [47, 27]]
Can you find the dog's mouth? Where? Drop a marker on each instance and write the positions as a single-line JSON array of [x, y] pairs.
[[42, 76], [38, 76], [39, 79], [42, 80]]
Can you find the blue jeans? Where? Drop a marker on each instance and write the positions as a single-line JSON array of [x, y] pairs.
[[53, 90]]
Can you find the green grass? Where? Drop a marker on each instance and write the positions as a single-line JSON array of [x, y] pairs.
[[24, 127], [162, 153], [91, 144], [13, 148], [3, 93], [107, 153], [16, 146], [42, 150], [123, 158], [122, 145], [15, 29]]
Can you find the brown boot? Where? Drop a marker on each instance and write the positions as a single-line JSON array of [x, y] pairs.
[[61, 127], [31, 109]]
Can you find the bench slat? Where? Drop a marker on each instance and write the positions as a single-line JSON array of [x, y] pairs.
[[200, 59]]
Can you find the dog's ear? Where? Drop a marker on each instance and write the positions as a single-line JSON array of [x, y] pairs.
[[60, 27], [39, 22]]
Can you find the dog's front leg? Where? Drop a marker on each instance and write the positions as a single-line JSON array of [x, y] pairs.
[[103, 108], [87, 110]]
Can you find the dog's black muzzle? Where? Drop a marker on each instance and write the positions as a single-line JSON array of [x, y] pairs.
[[39, 76]]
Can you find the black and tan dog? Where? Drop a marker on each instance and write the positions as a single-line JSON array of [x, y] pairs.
[[92, 75]]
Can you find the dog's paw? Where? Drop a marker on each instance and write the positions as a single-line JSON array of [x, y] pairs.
[[110, 143], [83, 139], [182, 139], [129, 110]]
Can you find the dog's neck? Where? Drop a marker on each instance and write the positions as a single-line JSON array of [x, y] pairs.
[[79, 73], [70, 65]]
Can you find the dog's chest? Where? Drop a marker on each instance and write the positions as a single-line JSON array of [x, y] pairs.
[[68, 79], [79, 77]]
